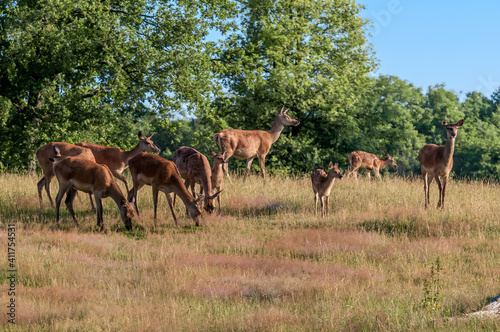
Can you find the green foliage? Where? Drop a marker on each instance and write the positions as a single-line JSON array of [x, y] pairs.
[[433, 296]]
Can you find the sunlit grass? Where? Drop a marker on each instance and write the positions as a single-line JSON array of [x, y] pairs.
[[268, 263]]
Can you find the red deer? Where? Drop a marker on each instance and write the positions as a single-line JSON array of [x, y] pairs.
[[436, 161], [251, 144], [117, 159], [161, 175], [195, 168], [370, 162], [47, 151], [322, 184], [74, 173], [217, 174]]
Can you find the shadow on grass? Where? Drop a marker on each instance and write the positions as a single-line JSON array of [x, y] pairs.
[[252, 207], [410, 227]]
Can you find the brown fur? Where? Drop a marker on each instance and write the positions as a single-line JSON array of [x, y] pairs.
[[117, 159], [217, 174], [74, 173], [162, 175], [47, 151], [195, 168], [251, 144], [322, 185], [436, 161], [370, 162]]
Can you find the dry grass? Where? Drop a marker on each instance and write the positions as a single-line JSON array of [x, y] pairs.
[[268, 263]]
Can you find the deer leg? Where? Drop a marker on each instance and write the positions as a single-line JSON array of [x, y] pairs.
[[368, 174], [155, 201], [322, 206], [98, 203], [91, 202], [316, 203], [70, 197], [169, 199], [445, 181], [424, 176], [428, 194], [47, 190], [327, 205], [440, 186], [262, 165], [249, 163], [60, 194], [40, 186], [377, 174], [133, 194]]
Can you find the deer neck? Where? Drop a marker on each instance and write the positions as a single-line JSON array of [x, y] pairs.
[[132, 153], [449, 148], [382, 163], [330, 179], [276, 130]]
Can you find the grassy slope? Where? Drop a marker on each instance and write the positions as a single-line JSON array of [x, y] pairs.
[[267, 264]]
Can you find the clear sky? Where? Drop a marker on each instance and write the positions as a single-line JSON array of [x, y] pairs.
[[427, 42]]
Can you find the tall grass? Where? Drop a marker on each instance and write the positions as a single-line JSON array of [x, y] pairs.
[[268, 263]]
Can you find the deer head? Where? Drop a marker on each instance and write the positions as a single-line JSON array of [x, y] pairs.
[[219, 158], [334, 172], [285, 119], [451, 129], [389, 160], [146, 144]]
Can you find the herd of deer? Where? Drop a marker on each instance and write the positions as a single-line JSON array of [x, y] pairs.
[[91, 168]]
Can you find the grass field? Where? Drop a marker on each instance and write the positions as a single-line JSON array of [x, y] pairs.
[[378, 262]]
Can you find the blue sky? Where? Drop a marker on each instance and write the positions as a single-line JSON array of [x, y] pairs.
[[429, 42]]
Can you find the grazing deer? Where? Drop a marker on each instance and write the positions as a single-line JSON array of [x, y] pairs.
[[44, 153], [74, 173], [195, 168], [251, 144], [117, 159], [161, 175], [322, 184], [218, 174], [370, 162], [436, 161]]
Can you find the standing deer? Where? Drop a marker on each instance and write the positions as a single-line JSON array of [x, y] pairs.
[[217, 174], [322, 184], [436, 161], [251, 144], [195, 168], [370, 162], [74, 173], [45, 152], [117, 159], [161, 175]]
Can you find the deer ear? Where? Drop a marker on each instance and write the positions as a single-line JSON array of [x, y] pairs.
[[150, 135], [212, 153], [139, 134], [444, 123], [56, 151], [199, 197], [286, 111], [330, 165], [336, 164], [460, 123], [387, 154]]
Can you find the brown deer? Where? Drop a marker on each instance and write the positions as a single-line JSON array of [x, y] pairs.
[[322, 184], [74, 173], [161, 175], [370, 162], [45, 152], [436, 161], [117, 159], [251, 144], [195, 168], [217, 174]]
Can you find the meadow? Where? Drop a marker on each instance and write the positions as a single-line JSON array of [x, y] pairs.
[[379, 261]]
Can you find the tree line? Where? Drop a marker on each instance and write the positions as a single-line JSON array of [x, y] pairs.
[[100, 71]]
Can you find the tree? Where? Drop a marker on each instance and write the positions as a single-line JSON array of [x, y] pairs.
[[311, 57], [73, 70]]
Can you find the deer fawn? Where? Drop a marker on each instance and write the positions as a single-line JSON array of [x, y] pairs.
[[251, 144], [436, 161], [370, 162], [117, 159], [195, 168], [322, 184], [45, 152], [161, 175], [217, 174], [74, 173]]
